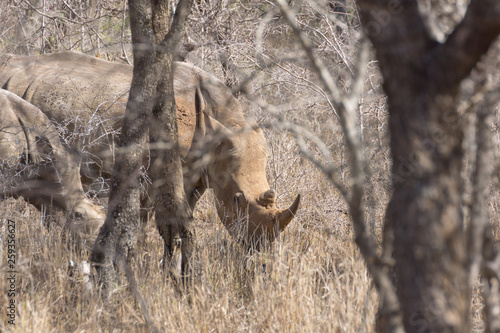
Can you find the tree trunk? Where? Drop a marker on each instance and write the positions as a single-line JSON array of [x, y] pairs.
[[151, 106], [425, 211], [118, 235], [421, 80], [173, 214]]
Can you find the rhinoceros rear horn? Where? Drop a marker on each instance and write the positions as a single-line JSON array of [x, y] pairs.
[[286, 215]]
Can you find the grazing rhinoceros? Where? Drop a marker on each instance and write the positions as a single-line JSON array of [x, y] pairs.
[[74, 89], [35, 165]]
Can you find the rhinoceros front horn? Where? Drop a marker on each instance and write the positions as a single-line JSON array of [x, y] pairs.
[[286, 215]]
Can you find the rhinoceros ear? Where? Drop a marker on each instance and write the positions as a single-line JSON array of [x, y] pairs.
[[217, 128]]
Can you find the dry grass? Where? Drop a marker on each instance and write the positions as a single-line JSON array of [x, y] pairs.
[[312, 280]]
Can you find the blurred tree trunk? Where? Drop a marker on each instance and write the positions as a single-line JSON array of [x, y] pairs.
[[151, 105], [421, 80]]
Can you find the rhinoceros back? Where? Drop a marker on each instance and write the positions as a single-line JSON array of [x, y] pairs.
[[68, 85], [86, 97]]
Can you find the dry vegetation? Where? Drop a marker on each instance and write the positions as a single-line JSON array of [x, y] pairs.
[[313, 278]]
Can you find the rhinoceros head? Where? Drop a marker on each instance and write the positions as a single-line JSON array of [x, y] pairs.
[[246, 204], [85, 219]]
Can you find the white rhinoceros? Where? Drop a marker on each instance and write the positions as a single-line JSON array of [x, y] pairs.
[[73, 89], [35, 165]]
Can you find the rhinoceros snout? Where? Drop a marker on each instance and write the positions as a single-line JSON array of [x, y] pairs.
[[267, 198], [267, 221]]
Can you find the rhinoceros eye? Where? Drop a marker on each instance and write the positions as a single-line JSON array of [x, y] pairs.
[[79, 215], [218, 148], [238, 198]]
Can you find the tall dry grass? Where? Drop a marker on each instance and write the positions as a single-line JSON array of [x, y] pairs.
[[311, 280]]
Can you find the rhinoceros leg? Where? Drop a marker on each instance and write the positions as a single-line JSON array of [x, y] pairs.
[[178, 239], [194, 195], [147, 206]]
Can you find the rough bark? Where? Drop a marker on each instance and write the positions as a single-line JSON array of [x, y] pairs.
[[118, 235], [491, 278], [421, 80], [151, 106], [173, 214]]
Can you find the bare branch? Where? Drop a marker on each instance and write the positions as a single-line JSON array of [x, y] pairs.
[[179, 22], [346, 108], [484, 256], [300, 133], [122, 43], [491, 286], [62, 18], [352, 100], [469, 41], [318, 65]]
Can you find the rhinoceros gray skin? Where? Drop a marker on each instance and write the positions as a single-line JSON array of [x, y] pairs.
[[35, 165], [74, 89]]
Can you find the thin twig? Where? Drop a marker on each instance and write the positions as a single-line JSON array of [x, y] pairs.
[[346, 107]]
